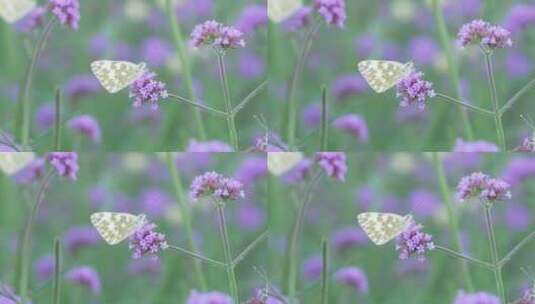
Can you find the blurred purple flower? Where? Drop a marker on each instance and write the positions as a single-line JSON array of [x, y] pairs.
[[347, 85], [365, 45], [519, 170], [147, 242], [32, 20], [333, 11], [155, 202], [44, 267], [353, 277], [365, 196], [414, 90], [423, 50], [348, 237], [208, 146], [250, 216], [217, 35], [156, 51], [312, 267], [212, 183], [333, 163], [251, 170], [520, 17], [423, 202], [211, 297], [487, 188], [65, 163], [479, 31], [8, 296], [147, 90], [144, 115], [253, 17], [250, 65], [299, 172], [517, 217], [67, 12], [299, 20], [80, 86], [353, 124], [462, 8], [498, 37], [98, 45], [124, 51], [413, 241], [496, 190], [409, 266], [475, 298], [528, 145], [312, 115], [85, 125], [97, 196], [195, 8], [229, 189], [474, 146], [229, 38], [144, 266], [45, 115], [517, 64], [32, 172], [528, 296], [87, 277], [80, 236]]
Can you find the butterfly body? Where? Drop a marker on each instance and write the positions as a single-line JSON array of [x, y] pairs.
[[116, 75], [14, 10], [382, 75], [383, 227], [114, 227]]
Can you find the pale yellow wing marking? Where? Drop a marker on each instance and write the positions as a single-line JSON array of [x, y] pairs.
[[382, 75], [13, 10], [383, 227], [116, 75], [114, 227]]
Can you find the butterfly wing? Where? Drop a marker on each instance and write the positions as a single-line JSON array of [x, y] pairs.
[[281, 162], [382, 227], [115, 227], [13, 10], [382, 75], [116, 75], [279, 10], [12, 162]]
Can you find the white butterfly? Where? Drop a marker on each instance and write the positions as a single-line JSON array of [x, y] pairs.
[[13, 10], [382, 75], [116, 75], [114, 227], [12, 162], [383, 227], [281, 162], [279, 10]]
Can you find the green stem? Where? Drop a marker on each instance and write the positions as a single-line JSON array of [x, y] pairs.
[[57, 271], [464, 104], [494, 96], [25, 248], [461, 256], [517, 248], [198, 105], [240, 257], [23, 118], [233, 286], [324, 271], [494, 252], [186, 68], [452, 218], [233, 134], [57, 121], [517, 96], [197, 256], [324, 119], [294, 80], [249, 97], [186, 216]]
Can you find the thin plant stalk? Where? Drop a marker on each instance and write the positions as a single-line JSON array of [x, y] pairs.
[[186, 67], [294, 80], [464, 104], [249, 97], [464, 257], [517, 248], [494, 252], [240, 257], [25, 249], [23, 116], [57, 271], [324, 271], [231, 276], [324, 119], [57, 120], [198, 105], [186, 216], [452, 218], [517, 96], [233, 134], [494, 96], [197, 256]]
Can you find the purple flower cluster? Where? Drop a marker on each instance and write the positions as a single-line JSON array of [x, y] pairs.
[[414, 90], [145, 241], [207, 146], [333, 163], [353, 124], [80, 236], [528, 297], [32, 20], [353, 277], [65, 163], [482, 185], [8, 296], [474, 146], [147, 90], [475, 298], [86, 125], [479, 31], [87, 277], [31, 172], [300, 19], [211, 297], [413, 241], [213, 183], [528, 145], [217, 35], [333, 11], [67, 12]]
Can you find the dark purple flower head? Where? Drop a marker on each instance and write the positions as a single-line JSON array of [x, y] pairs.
[[208, 146], [520, 17], [45, 115], [347, 238], [80, 86], [487, 188], [229, 38], [414, 90], [79, 237], [87, 126], [205, 33], [413, 241], [251, 170], [497, 37], [519, 170], [489, 36], [312, 267], [300, 19], [496, 190], [87, 277], [299, 172], [347, 85], [475, 298], [44, 267], [215, 34], [474, 146], [312, 115], [333, 11], [205, 185], [252, 17], [229, 189], [32, 20], [353, 277], [333, 163], [147, 90], [67, 12], [147, 242], [211, 297], [353, 124], [65, 163]]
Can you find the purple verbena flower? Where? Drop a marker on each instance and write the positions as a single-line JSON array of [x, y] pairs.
[[156, 51], [520, 17], [87, 277], [413, 241], [528, 145], [87, 126], [207, 146], [147, 242], [353, 277], [229, 189], [65, 163], [67, 12], [32, 172], [300, 19], [299, 172], [489, 36], [205, 185], [353, 124], [333, 163], [211, 297], [312, 267], [496, 190], [79, 237], [144, 266], [347, 85], [215, 34], [475, 298], [347, 238], [482, 185], [45, 115], [44, 267], [32, 20], [414, 90], [147, 90], [333, 11], [229, 38], [474, 146], [497, 37], [528, 297], [252, 17], [80, 86]]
